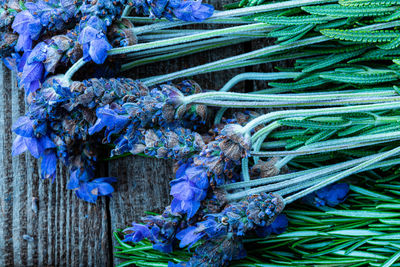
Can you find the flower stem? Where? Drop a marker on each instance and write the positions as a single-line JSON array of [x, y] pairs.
[[279, 184], [320, 170], [74, 68], [317, 112], [229, 96], [211, 20], [213, 66], [343, 174], [191, 38], [181, 53]]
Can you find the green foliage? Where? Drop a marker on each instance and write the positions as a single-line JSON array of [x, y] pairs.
[[381, 36], [294, 20], [369, 2], [361, 77], [348, 11], [310, 124]]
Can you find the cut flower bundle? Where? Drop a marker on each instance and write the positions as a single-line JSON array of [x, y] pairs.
[[236, 169]]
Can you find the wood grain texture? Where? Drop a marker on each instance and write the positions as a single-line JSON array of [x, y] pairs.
[[65, 230]]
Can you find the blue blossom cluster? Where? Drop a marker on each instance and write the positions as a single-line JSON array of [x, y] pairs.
[[214, 165], [161, 230], [330, 195], [220, 233], [69, 122], [49, 34], [186, 10]]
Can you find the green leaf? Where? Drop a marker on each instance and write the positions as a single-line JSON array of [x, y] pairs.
[[294, 20], [382, 36], [123, 244], [369, 2], [364, 214], [369, 193], [390, 221], [335, 10], [302, 234], [355, 232], [392, 260], [361, 254], [357, 245], [395, 236], [388, 206]]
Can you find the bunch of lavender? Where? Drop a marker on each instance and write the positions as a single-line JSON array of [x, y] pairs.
[[62, 122], [199, 236]]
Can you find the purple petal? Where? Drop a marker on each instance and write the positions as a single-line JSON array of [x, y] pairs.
[[19, 146], [23, 126], [49, 165], [98, 50]]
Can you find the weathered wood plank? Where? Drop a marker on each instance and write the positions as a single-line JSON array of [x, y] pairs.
[[66, 231]]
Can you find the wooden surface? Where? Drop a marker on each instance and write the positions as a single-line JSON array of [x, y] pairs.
[[66, 231]]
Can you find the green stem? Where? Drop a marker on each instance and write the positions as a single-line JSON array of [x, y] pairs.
[[334, 145], [181, 53], [258, 76], [191, 38], [74, 68], [299, 179], [343, 174], [317, 112], [275, 104], [212, 66], [321, 170], [223, 62], [296, 188], [225, 96], [207, 21], [169, 49]]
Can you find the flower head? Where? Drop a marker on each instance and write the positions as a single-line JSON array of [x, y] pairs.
[[93, 40], [89, 191], [159, 230], [109, 118], [233, 143], [330, 195], [278, 226], [188, 189], [28, 27], [192, 10]]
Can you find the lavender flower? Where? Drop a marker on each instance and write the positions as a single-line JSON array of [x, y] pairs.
[[62, 122], [186, 10], [330, 195], [53, 15], [191, 10], [107, 10], [278, 226], [89, 191], [33, 70], [111, 119], [93, 40], [160, 230], [222, 232], [188, 189], [28, 27]]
